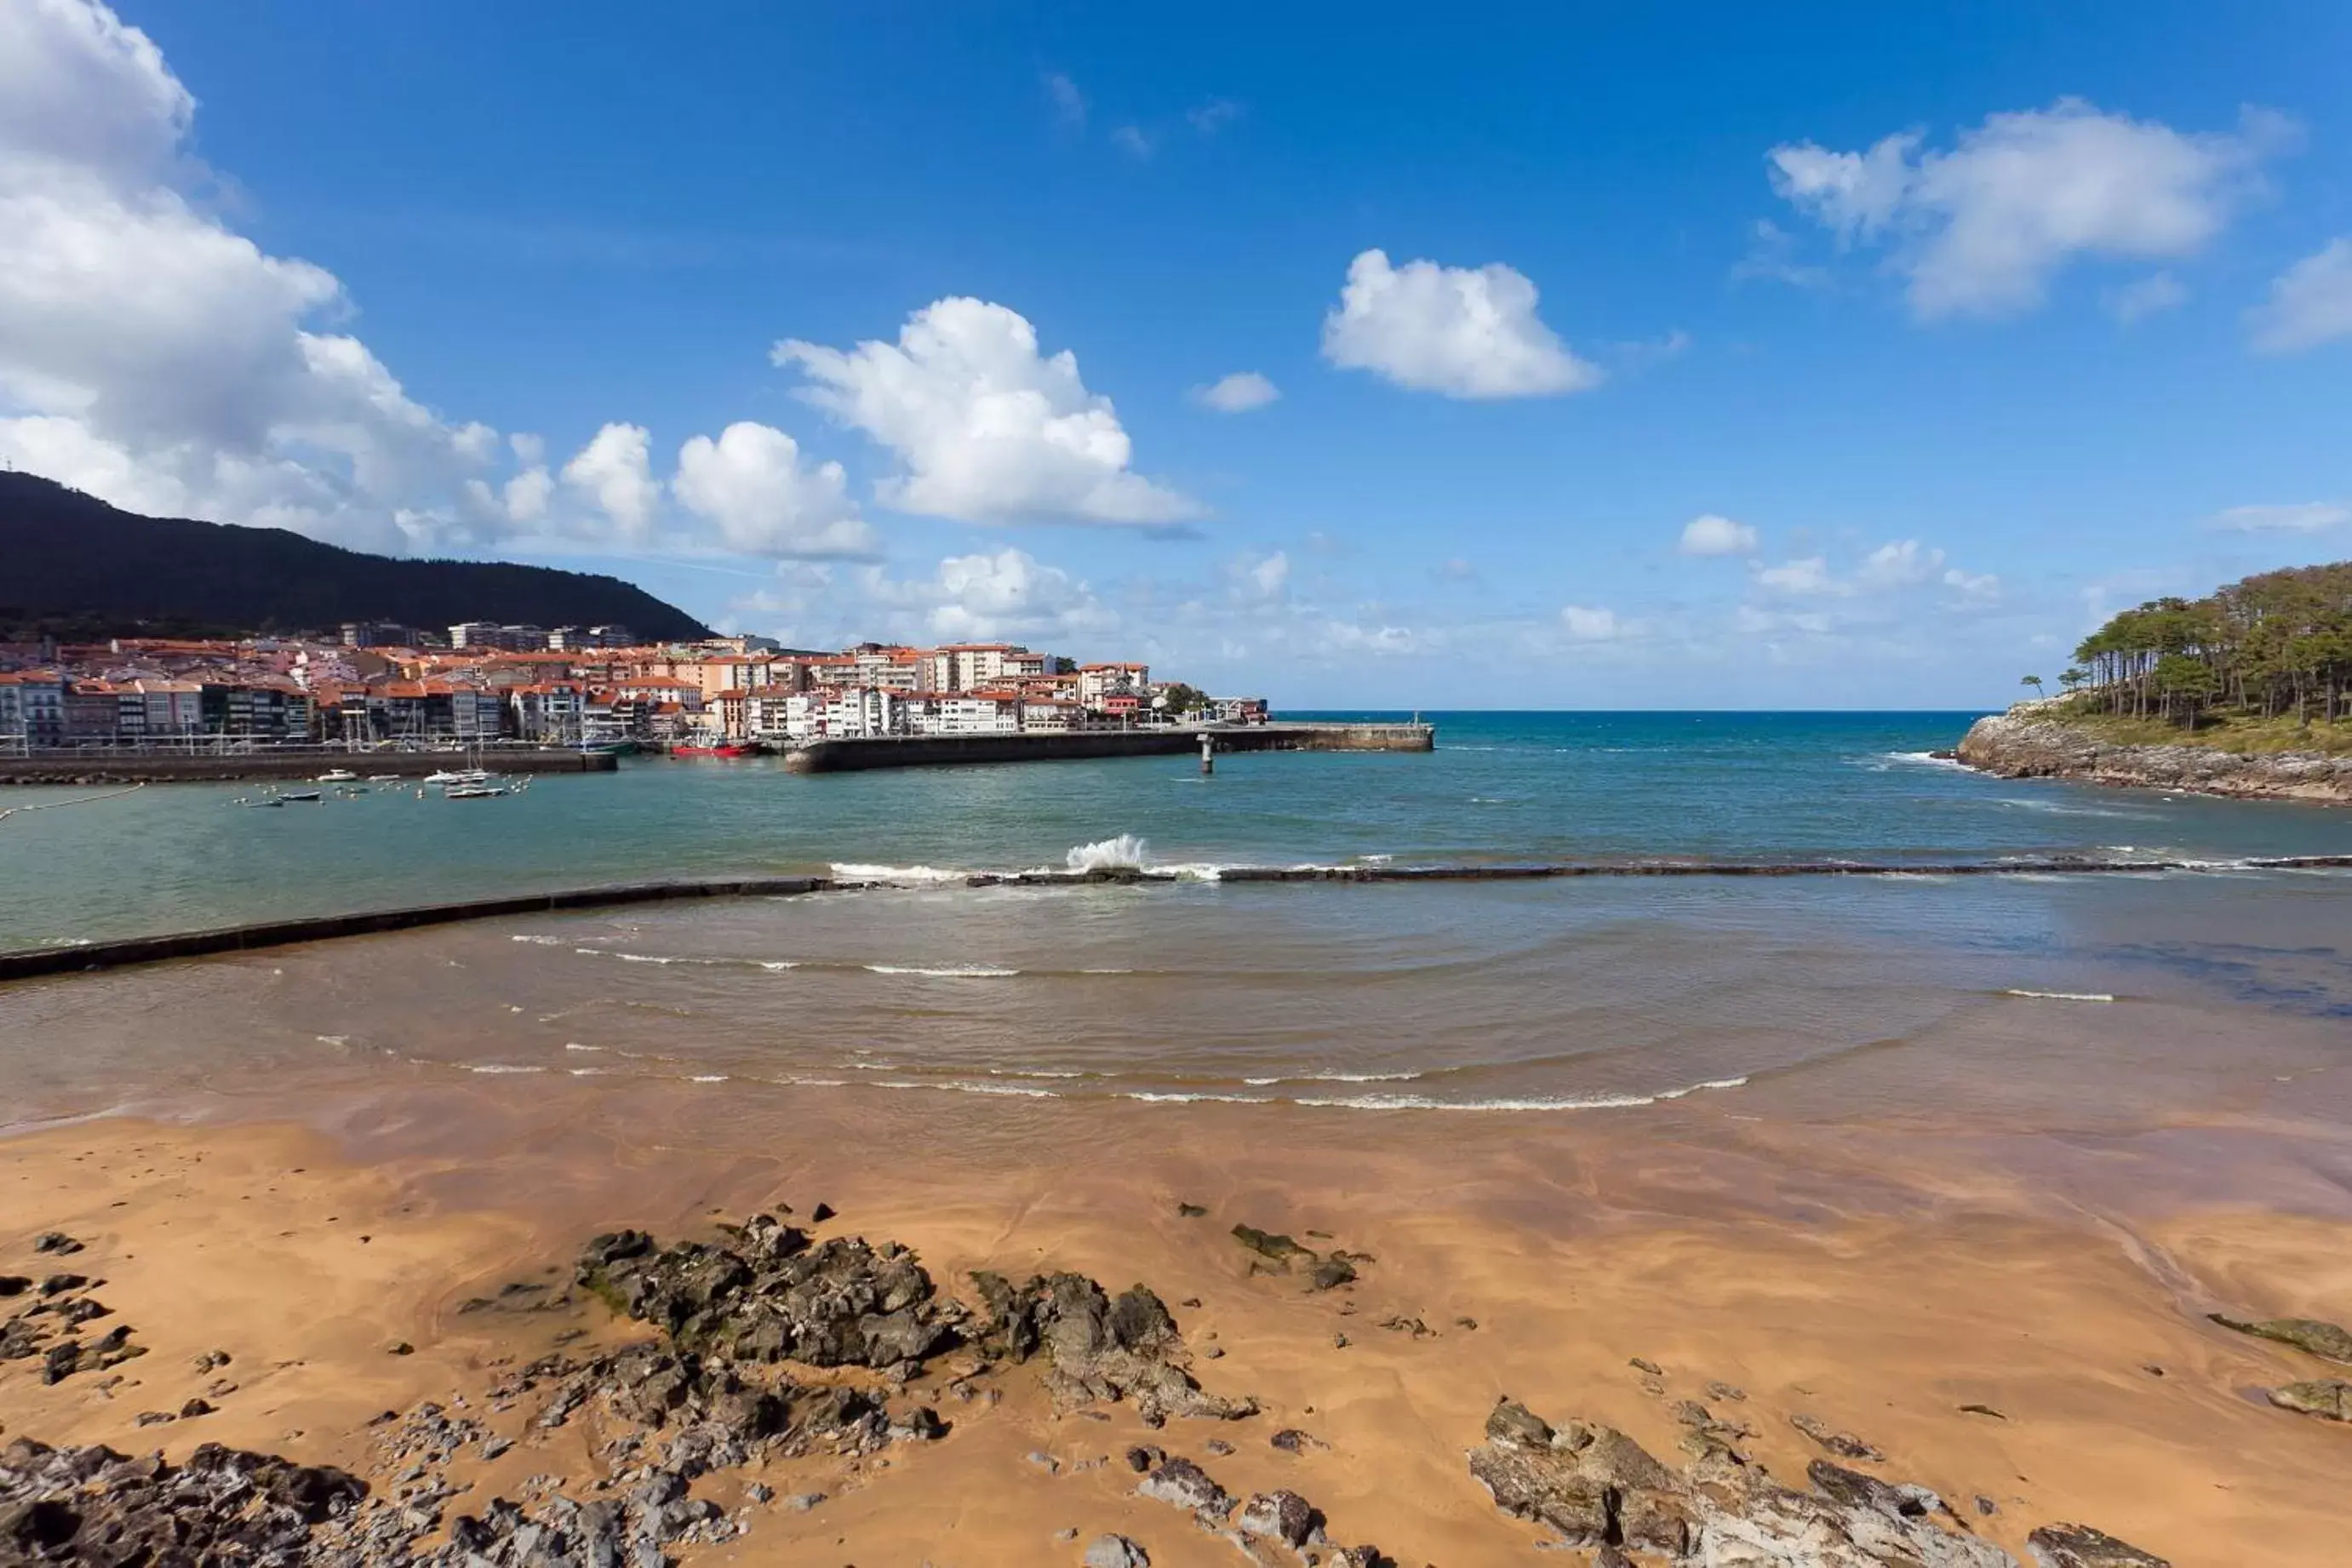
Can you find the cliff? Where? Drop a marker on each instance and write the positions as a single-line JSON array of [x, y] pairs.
[[2028, 741]]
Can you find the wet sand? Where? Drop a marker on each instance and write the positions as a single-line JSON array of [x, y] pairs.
[[1872, 1277]]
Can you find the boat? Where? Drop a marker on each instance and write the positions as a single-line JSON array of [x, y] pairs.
[[337, 775], [458, 776], [296, 795], [474, 792], [729, 749]]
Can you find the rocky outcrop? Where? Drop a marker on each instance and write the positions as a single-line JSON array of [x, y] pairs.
[[1598, 1489], [1097, 1348], [95, 1506], [2329, 1398], [2327, 1340], [2029, 741]]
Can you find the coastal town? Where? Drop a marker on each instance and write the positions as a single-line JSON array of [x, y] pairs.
[[478, 683]]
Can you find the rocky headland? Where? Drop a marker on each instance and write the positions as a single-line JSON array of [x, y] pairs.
[[2033, 740]]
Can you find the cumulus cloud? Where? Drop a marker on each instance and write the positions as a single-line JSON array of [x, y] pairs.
[[1805, 576], [983, 596], [1905, 563], [1134, 140], [1981, 229], [1236, 394], [1469, 332], [751, 483], [1069, 103], [1587, 625], [2299, 517], [1712, 535], [1213, 116], [1263, 577], [2310, 302], [987, 429], [614, 472], [156, 358]]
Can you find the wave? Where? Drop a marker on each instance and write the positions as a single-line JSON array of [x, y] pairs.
[[959, 1086], [1171, 1096], [901, 876], [944, 971], [332, 1039], [1568, 1103], [500, 1068], [707, 1077], [540, 940], [2061, 996], [1124, 853], [1335, 1078], [779, 964], [1918, 760], [576, 1045]]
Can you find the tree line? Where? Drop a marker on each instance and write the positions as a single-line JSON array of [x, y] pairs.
[[2273, 644]]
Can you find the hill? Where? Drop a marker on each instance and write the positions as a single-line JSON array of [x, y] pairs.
[[72, 565]]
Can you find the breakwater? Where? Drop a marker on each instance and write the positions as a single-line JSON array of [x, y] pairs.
[[953, 751], [29, 963], [131, 765]]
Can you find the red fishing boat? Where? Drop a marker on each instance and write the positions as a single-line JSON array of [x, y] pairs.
[[729, 750]]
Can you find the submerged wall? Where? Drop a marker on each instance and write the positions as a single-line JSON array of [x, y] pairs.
[[949, 751]]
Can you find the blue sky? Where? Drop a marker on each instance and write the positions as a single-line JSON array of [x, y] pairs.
[[1851, 355]]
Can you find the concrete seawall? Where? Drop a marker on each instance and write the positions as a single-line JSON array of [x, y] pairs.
[[29, 963], [952, 751], [130, 766]]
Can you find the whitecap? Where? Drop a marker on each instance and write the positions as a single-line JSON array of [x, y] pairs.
[[332, 1039], [905, 876], [2061, 996], [1170, 1098], [779, 964], [500, 1068], [576, 1045], [947, 971], [1336, 1078], [708, 1077], [961, 1088], [540, 940], [1125, 853]]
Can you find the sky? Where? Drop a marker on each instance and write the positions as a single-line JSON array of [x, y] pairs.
[[1567, 355]]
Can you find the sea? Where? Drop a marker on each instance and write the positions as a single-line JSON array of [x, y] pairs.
[[2036, 999]]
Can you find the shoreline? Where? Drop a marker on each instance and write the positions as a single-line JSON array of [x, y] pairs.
[[1897, 1327], [2022, 745]]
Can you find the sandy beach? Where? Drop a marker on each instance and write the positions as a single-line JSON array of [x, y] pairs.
[[1986, 1343]]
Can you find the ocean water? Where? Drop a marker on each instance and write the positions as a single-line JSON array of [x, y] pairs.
[[2034, 999], [1502, 787]]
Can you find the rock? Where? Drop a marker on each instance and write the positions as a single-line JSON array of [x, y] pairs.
[[1982, 1410], [1139, 1459], [1190, 1211], [801, 1502], [1986, 1507], [1599, 1491], [1100, 1349], [1653, 1368], [56, 1243], [14, 1285], [2032, 741], [1271, 1246], [1183, 1484], [822, 1213], [1725, 1391], [1282, 1516], [2325, 1341], [2330, 1399], [768, 1296], [193, 1408], [2080, 1546], [211, 1360], [1844, 1445], [1340, 1341], [1331, 1272], [1043, 1461], [760, 1491], [402, 1348], [1115, 1552], [1219, 1447], [222, 1505], [1291, 1440]]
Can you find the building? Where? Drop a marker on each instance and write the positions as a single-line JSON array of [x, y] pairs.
[[382, 634], [33, 709], [475, 636], [1099, 683]]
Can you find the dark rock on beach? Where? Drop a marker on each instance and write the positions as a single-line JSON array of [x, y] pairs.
[[2327, 1340], [2080, 1546], [95, 1506], [1097, 1348], [1598, 1489], [2329, 1398]]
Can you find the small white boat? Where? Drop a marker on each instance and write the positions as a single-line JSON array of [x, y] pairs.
[[458, 776], [473, 792], [337, 775], [297, 794]]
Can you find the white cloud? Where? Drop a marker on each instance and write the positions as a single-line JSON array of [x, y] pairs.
[[1771, 255], [1470, 333], [615, 470], [1263, 577], [1213, 116], [1981, 230], [1906, 563], [1973, 590], [2150, 296], [983, 596], [155, 357], [2310, 302], [1236, 394], [1712, 535], [1804, 577], [1134, 140], [2300, 517], [1586, 624], [1069, 103], [751, 483], [989, 430]]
